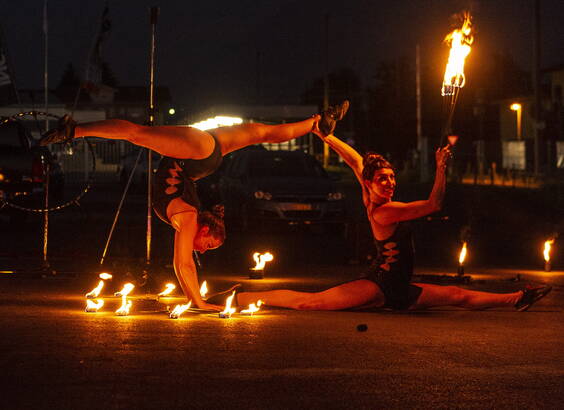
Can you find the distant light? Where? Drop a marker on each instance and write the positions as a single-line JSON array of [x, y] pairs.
[[172, 111], [515, 106], [216, 122]]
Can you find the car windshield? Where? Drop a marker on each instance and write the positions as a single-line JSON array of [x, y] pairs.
[[280, 165]]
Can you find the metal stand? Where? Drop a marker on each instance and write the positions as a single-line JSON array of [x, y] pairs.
[[150, 122]]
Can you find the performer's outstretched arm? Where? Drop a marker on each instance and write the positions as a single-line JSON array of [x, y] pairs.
[[186, 227]]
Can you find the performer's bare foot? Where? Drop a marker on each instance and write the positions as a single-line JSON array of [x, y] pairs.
[[63, 133]]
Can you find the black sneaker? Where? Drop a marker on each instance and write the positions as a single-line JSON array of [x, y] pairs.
[[531, 295], [63, 133], [330, 117]]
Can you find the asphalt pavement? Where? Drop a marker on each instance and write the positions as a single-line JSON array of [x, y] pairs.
[[57, 356]]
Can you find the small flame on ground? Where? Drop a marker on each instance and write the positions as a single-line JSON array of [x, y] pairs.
[[261, 259], [125, 306], [105, 276], [459, 41], [93, 305], [179, 309], [546, 250], [462, 255], [252, 308], [169, 287], [204, 289], [93, 294], [128, 287], [228, 311]]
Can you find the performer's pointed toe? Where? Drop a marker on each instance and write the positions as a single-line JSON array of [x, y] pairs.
[[63, 133]]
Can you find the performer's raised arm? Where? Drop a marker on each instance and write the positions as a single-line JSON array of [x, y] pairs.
[[348, 153], [393, 211]]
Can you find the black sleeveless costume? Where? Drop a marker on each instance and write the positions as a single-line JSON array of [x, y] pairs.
[[392, 268], [175, 178]]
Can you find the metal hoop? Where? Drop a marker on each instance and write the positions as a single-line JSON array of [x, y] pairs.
[[73, 201]]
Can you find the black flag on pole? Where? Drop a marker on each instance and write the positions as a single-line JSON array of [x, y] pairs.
[[8, 91], [93, 78]]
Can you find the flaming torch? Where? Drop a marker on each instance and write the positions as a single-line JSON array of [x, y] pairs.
[[546, 254], [252, 308], [228, 311], [125, 304], [179, 309], [461, 258], [459, 41], [105, 276], [260, 259]]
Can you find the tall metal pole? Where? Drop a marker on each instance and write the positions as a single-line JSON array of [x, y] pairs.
[[536, 85], [150, 122], [421, 147], [46, 64], [326, 87]]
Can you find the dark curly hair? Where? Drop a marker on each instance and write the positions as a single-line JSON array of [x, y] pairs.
[[372, 162], [214, 221]]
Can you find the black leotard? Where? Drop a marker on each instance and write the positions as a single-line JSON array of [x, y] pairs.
[[392, 268], [175, 178]]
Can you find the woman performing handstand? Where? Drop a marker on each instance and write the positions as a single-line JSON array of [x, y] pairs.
[[191, 154], [388, 283]]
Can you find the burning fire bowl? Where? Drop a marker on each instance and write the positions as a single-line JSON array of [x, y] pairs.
[[256, 273]]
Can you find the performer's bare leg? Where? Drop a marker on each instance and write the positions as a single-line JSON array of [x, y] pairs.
[[239, 136], [436, 295], [188, 142], [171, 141], [345, 296]]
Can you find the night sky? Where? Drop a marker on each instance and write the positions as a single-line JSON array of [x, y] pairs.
[[207, 51]]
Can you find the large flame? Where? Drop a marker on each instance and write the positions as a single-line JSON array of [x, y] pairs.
[[125, 304], [179, 309], [261, 259], [127, 288], [93, 294], [546, 250], [204, 289], [93, 305], [228, 311], [105, 276], [459, 41], [462, 255], [252, 308], [169, 287]]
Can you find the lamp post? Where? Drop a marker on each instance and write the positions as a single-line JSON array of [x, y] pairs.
[[518, 108]]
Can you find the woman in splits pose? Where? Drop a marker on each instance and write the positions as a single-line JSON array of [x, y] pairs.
[[191, 154], [388, 283]]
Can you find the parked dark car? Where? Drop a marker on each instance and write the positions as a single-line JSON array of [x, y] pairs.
[[23, 167], [290, 187]]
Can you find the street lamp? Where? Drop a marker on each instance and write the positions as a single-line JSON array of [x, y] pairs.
[[518, 108]]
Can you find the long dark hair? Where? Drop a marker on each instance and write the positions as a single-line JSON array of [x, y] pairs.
[[372, 162], [214, 221]]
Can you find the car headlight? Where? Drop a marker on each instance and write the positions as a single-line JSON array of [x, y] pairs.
[[263, 195], [335, 196]]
